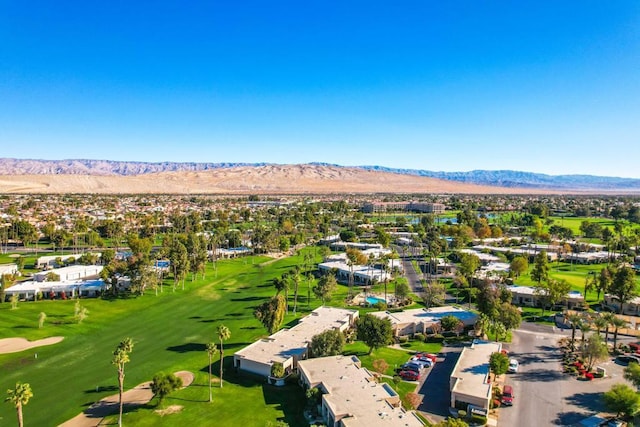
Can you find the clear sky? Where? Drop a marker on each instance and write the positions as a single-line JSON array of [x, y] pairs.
[[541, 86]]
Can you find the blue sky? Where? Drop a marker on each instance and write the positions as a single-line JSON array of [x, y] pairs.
[[542, 86]]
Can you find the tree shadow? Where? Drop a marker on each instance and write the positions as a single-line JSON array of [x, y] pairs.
[[247, 299], [102, 388], [186, 348], [568, 418], [591, 401], [540, 375]]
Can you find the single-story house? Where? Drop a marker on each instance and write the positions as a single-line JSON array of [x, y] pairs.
[[632, 307], [421, 320], [29, 290], [71, 273], [8, 269], [351, 397], [526, 296], [49, 261], [288, 346], [469, 382]]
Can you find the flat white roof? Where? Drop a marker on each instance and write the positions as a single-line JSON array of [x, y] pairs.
[[472, 369], [424, 315], [286, 343], [82, 269], [354, 394], [528, 290]]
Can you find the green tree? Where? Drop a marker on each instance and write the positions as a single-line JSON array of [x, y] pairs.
[[325, 287], [327, 343], [402, 289], [271, 313], [622, 400], [211, 350], [617, 323], [433, 294], [509, 315], [499, 363], [518, 266], [632, 374], [163, 385], [19, 397], [374, 332], [223, 334], [595, 350], [120, 359], [552, 292], [450, 323], [41, 318], [540, 271], [623, 286], [469, 263]]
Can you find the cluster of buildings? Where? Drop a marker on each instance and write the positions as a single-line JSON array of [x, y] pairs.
[[363, 275], [70, 282], [419, 207]]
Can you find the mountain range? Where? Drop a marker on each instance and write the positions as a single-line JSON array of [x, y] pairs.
[[26, 174]]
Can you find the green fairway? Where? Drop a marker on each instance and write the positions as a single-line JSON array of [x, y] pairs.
[[170, 332]]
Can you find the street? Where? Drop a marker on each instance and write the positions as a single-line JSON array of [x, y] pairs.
[[543, 394]]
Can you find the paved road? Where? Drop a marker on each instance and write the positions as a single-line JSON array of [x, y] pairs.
[[435, 387], [544, 396]]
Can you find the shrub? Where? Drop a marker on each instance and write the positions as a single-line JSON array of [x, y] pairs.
[[277, 370], [478, 419], [495, 403], [403, 339], [418, 337], [462, 413], [435, 338]]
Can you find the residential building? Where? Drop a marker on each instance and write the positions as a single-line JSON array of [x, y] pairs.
[[351, 395], [469, 382], [289, 346], [421, 320], [527, 296]]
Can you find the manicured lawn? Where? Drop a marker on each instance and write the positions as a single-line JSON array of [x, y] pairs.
[[422, 347], [393, 357], [170, 332]]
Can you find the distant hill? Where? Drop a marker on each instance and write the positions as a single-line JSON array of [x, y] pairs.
[[501, 178]]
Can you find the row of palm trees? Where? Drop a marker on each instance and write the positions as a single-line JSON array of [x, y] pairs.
[[586, 322]]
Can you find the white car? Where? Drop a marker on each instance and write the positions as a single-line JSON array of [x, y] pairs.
[[513, 366]]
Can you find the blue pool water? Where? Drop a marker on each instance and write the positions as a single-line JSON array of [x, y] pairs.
[[374, 300]]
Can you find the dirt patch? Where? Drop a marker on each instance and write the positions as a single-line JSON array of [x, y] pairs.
[[173, 409], [15, 345]]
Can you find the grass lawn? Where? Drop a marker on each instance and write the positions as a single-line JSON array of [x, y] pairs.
[[170, 332], [393, 357], [422, 347], [402, 388]]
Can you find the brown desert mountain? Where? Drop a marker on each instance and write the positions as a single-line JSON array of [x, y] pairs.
[[268, 179]]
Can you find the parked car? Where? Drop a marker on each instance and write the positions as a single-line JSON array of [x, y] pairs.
[[409, 375], [625, 359], [635, 347], [411, 366], [429, 356], [425, 362], [507, 395], [513, 366]]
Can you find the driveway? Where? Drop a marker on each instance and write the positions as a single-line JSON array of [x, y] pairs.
[[435, 387], [544, 396]]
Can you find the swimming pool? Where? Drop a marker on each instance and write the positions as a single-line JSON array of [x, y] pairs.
[[375, 300]]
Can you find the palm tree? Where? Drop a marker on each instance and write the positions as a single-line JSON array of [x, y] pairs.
[[19, 396], [211, 351], [120, 358], [610, 318], [584, 328], [617, 323], [600, 323], [575, 320], [223, 334]]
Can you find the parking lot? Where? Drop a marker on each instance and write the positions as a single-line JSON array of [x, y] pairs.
[[543, 394]]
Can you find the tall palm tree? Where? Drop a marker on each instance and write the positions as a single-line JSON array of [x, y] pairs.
[[211, 351], [575, 320], [600, 323], [120, 358], [19, 396], [223, 334], [610, 318], [584, 328], [617, 323]]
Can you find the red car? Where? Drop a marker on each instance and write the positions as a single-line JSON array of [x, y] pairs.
[[409, 375], [429, 356], [635, 347], [507, 395]]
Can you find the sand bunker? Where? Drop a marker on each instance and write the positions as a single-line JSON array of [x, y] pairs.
[[137, 396], [14, 345]]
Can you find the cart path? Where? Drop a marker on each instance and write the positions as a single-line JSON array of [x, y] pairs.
[[137, 396]]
